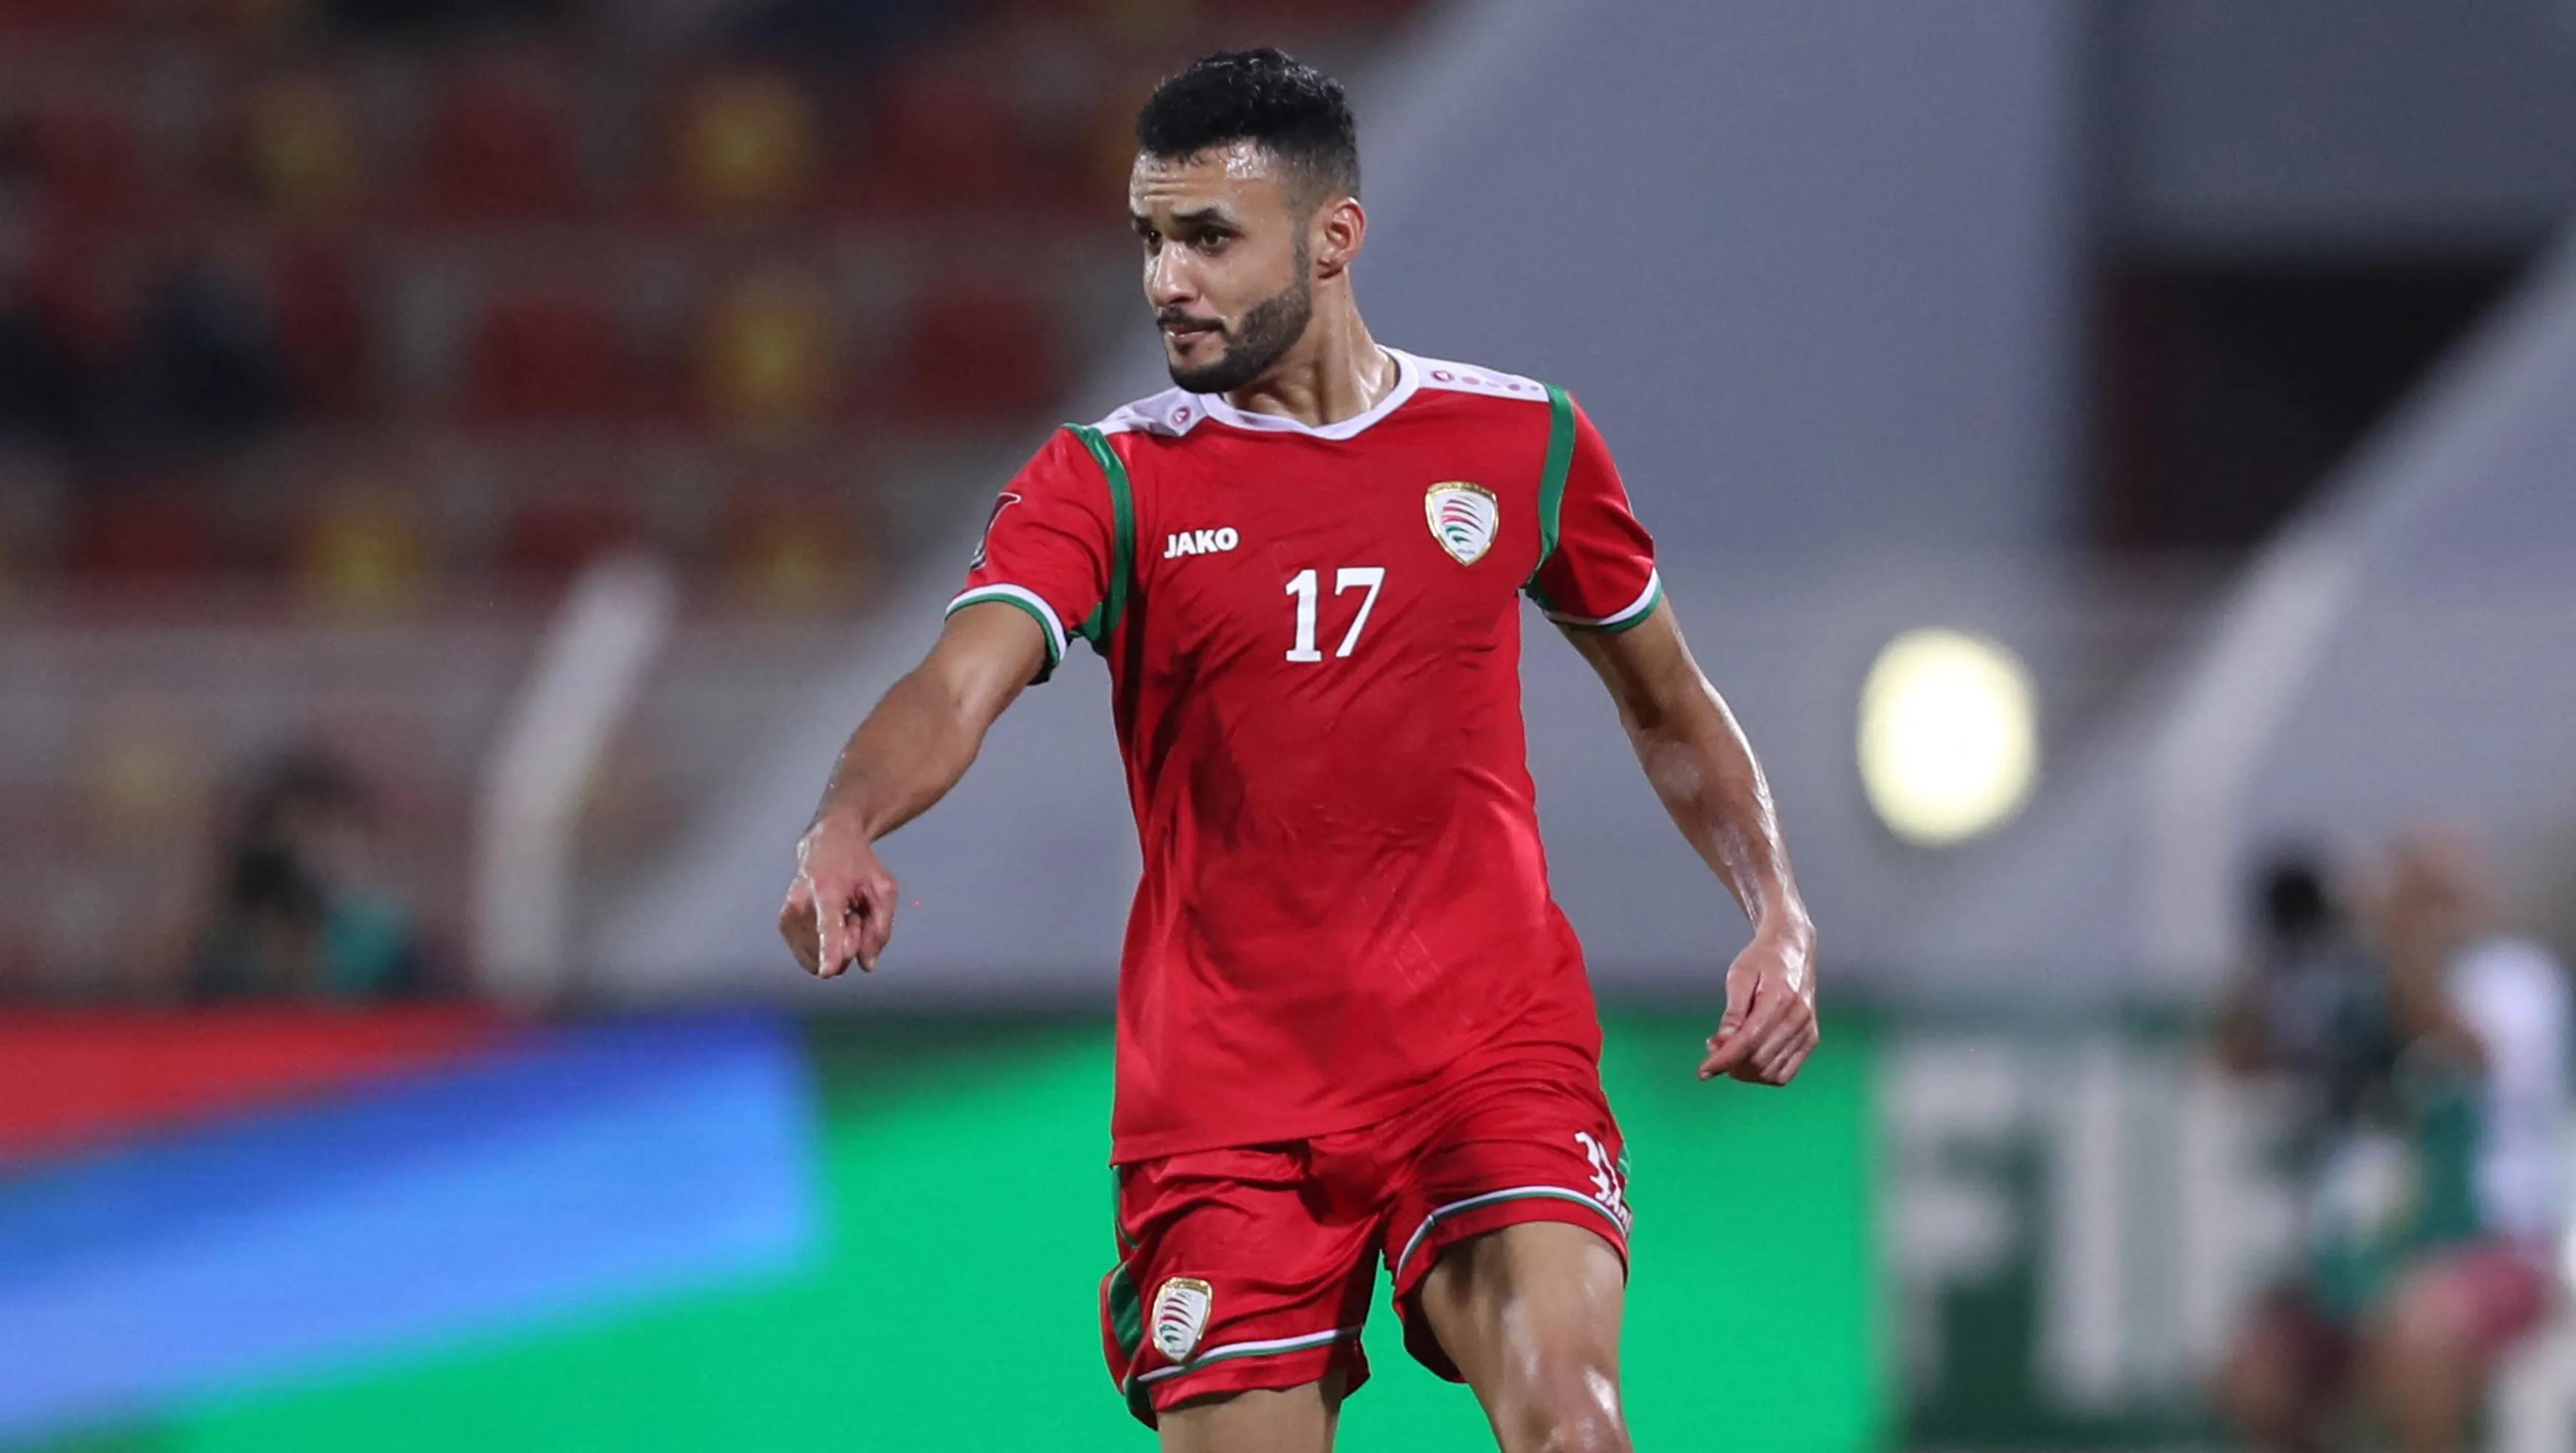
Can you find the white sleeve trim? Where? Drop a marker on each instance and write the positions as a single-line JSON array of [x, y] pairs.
[[1023, 596], [1635, 608]]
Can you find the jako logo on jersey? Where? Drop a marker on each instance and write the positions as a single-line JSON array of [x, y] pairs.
[[1464, 519], [1200, 542], [985, 541], [1181, 1316]]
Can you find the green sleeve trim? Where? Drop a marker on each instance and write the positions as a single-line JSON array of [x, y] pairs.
[[1551, 482], [1021, 600], [1638, 612], [1104, 619], [1633, 620]]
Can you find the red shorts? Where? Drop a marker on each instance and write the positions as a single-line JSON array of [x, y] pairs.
[[1251, 1267], [2501, 1291]]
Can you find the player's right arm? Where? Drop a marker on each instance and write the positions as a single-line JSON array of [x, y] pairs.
[[904, 757], [1043, 574]]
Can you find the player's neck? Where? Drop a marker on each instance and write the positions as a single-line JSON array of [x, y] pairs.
[[1336, 372]]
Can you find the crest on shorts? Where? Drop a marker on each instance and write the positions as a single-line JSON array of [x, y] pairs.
[[1464, 518], [1181, 1316]]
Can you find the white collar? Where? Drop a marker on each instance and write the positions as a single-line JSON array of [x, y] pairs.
[[1408, 377]]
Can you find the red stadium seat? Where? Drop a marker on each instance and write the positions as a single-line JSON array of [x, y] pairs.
[[323, 329], [253, 20], [1094, 156], [60, 15], [943, 136], [500, 144], [159, 20], [87, 158], [551, 355], [979, 354], [162, 535], [70, 287], [551, 538]]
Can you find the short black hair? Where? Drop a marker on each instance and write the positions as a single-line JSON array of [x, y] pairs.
[[1291, 109], [269, 879], [2291, 897]]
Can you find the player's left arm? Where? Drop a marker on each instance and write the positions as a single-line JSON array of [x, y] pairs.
[[1696, 756], [1599, 584]]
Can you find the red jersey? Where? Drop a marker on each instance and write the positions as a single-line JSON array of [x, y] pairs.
[[1313, 637]]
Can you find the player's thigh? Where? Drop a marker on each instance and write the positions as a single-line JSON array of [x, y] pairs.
[[1236, 1276], [2283, 1368], [1522, 1141], [1530, 1314], [1264, 1420], [2462, 1309]]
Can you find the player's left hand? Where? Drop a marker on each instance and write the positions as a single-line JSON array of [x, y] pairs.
[[840, 905], [1770, 1023]]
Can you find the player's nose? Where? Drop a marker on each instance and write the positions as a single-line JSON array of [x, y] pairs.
[[1168, 284]]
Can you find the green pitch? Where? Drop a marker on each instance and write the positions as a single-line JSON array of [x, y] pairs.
[[953, 1305]]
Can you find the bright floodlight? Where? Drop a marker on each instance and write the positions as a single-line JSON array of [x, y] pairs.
[[1949, 736]]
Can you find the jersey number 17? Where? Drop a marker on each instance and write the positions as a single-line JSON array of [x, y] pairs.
[[1306, 587]]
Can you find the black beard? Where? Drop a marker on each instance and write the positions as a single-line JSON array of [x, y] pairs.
[[1267, 332]]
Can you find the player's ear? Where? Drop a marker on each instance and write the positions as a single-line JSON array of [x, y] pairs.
[[1340, 227]]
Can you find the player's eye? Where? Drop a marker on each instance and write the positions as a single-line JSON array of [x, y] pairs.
[[1212, 241]]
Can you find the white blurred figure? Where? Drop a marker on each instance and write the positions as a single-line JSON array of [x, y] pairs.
[[2437, 1195]]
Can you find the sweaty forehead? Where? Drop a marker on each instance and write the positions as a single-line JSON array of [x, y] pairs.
[[1239, 177]]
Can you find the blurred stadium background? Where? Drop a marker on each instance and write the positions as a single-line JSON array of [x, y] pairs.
[[465, 464]]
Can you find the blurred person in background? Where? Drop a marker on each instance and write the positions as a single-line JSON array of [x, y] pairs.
[[2302, 1005], [202, 371], [174, 363], [302, 910], [2432, 1078]]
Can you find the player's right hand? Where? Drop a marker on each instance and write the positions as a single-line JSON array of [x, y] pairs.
[[840, 905]]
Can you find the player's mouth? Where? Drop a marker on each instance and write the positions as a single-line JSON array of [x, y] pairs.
[[1185, 331]]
